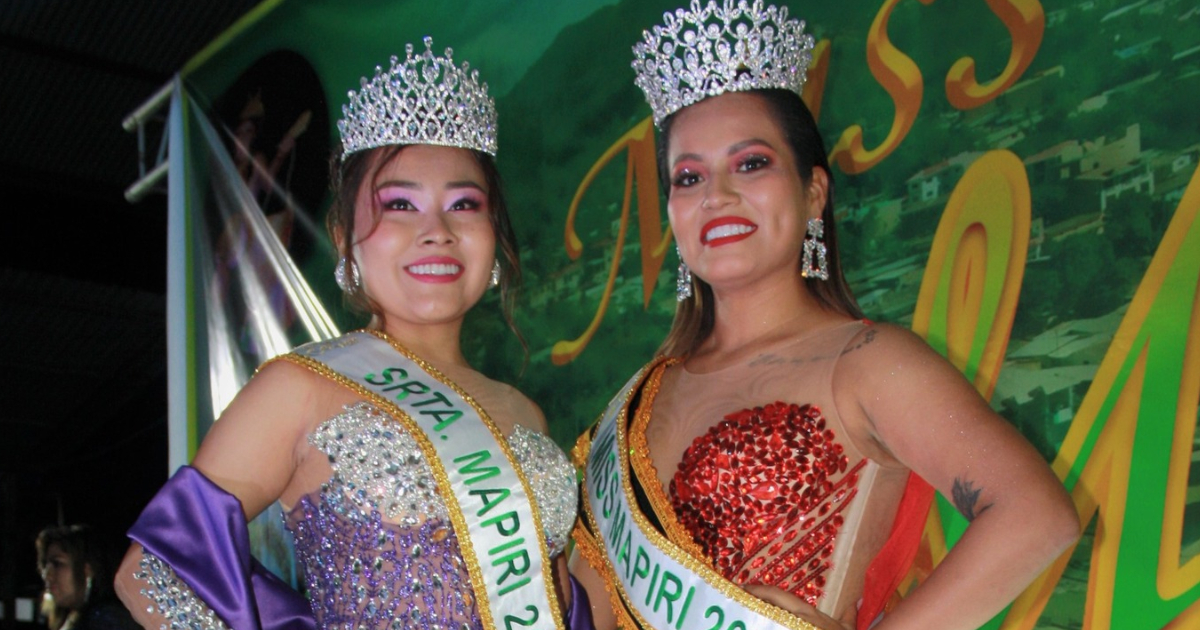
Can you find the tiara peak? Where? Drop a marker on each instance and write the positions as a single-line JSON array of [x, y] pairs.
[[425, 99], [710, 49]]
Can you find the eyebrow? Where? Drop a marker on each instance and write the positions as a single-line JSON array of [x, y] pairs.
[[738, 146], [749, 143], [411, 185]]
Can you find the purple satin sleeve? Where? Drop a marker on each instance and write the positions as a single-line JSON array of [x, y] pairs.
[[200, 531], [579, 614]]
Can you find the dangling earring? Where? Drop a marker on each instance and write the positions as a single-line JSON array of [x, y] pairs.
[[495, 281], [683, 279], [346, 275], [87, 590], [814, 243]]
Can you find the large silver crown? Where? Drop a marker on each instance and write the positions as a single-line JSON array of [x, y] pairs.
[[423, 100], [709, 50]]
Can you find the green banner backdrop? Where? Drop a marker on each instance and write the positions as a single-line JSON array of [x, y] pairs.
[[1016, 182]]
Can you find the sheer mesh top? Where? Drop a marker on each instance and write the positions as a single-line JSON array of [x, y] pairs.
[[773, 492]]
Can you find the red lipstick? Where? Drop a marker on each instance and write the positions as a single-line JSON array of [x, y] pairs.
[[725, 230]]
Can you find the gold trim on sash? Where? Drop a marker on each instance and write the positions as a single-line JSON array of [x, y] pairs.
[[583, 445], [643, 466], [587, 546], [502, 441], [434, 460], [585, 539], [625, 612]]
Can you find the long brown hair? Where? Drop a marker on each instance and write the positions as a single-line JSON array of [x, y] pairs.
[[695, 317], [347, 176]]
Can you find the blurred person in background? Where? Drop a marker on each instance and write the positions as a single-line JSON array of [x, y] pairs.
[[77, 569]]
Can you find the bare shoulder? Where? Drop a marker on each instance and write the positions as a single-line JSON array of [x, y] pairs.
[[535, 419], [530, 415], [880, 341], [889, 378], [285, 377], [251, 449], [508, 405], [887, 354], [280, 391]]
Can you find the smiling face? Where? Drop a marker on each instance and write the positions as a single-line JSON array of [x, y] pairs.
[[738, 206], [424, 240]]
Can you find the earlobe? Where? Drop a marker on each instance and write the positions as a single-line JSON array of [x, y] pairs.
[[338, 236]]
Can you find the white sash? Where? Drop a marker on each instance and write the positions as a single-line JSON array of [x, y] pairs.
[[663, 586], [498, 526]]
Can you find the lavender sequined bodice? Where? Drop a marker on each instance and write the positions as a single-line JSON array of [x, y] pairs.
[[376, 542]]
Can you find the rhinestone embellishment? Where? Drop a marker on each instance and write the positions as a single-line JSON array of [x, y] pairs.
[[711, 49], [552, 479], [375, 541], [172, 598], [762, 494], [423, 99], [378, 466]]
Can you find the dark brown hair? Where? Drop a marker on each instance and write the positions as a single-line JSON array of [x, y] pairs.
[[85, 548], [347, 176], [694, 318]]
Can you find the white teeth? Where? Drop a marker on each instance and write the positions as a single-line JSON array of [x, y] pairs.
[[729, 229], [435, 269]]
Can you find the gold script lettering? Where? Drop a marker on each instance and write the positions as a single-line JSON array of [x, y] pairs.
[[641, 168], [901, 78], [1026, 22]]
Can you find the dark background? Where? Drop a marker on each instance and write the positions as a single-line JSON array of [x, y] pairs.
[[82, 271]]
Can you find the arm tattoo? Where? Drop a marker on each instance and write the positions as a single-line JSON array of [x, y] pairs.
[[966, 496]]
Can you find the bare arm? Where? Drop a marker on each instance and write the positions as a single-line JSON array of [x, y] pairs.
[[250, 453], [593, 584], [921, 412]]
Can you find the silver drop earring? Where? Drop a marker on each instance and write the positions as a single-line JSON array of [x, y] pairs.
[[495, 280], [346, 275], [683, 279], [814, 247]]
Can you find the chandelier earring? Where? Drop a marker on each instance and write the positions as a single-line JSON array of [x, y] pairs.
[[815, 263], [495, 279], [87, 591], [683, 281], [346, 275]]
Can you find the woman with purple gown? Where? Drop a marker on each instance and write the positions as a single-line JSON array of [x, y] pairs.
[[420, 493]]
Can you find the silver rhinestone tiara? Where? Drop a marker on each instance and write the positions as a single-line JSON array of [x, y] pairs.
[[423, 100], [705, 51]]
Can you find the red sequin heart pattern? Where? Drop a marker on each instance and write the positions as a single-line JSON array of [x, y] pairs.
[[762, 493]]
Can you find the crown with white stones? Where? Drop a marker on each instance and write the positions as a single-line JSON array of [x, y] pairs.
[[708, 50], [423, 100]]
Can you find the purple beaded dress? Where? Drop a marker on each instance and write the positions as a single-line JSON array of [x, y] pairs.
[[375, 541]]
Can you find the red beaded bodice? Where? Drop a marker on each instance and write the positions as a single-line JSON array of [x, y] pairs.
[[762, 493]]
